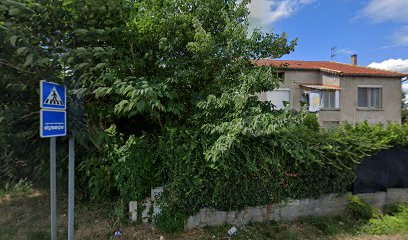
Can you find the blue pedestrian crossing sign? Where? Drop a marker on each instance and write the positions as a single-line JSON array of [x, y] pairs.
[[53, 96], [53, 102], [53, 123]]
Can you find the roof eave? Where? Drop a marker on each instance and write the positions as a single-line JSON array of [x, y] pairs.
[[326, 70], [345, 74], [374, 75]]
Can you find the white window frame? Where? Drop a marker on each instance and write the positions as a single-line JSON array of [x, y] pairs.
[[336, 104], [369, 99]]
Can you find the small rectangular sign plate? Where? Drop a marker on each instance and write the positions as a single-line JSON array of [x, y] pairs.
[[53, 123]]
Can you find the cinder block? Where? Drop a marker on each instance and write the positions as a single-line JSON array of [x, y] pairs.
[[326, 205], [377, 199], [133, 211], [217, 218], [395, 195], [231, 217], [147, 204], [156, 193], [333, 204], [192, 222]]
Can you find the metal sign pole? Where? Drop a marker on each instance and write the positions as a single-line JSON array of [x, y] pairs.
[[71, 192], [53, 184]]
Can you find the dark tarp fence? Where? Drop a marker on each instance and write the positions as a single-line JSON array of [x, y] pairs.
[[386, 169]]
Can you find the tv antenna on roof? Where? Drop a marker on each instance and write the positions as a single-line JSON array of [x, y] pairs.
[[332, 53]]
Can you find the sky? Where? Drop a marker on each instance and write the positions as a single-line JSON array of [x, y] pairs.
[[375, 30]]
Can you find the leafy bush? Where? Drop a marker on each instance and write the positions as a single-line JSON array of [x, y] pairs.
[[389, 224], [294, 162], [21, 187], [311, 121], [394, 208], [360, 210], [128, 167], [170, 221]]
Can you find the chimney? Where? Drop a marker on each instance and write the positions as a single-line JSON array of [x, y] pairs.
[[354, 59]]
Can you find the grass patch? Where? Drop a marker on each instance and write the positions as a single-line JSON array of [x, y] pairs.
[[27, 217], [22, 187], [397, 222], [40, 235], [170, 221], [257, 231], [328, 226]]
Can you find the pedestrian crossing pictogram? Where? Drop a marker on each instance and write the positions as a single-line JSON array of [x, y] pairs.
[[53, 117], [54, 98]]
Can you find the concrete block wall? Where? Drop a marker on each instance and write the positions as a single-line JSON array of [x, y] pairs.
[[327, 205]]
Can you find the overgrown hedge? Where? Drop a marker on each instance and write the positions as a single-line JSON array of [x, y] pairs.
[[298, 162], [294, 162]]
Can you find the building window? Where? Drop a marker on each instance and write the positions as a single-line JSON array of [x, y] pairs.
[[280, 75], [370, 97], [330, 99], [279, 97]]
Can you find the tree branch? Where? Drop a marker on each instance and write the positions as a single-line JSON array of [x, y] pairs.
[[12, 66]]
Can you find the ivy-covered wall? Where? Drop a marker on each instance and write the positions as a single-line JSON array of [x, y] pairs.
[[295, 162]]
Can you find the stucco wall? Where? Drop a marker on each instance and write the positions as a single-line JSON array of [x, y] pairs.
[[391, 96], [391, 100], [330, 79], [292, 81]]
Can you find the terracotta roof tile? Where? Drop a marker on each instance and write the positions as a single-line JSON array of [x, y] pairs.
[[333, 67]]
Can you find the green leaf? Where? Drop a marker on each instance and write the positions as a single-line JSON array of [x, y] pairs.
[[70, 60], [13, 40], [29, 60], [21, 50], [42, 61], [120, 106], [140, 105], [81, 31], [102, 91], [102, 9], [82, 65], [3, 8], [99, 65], [67, 2], [14, 11]]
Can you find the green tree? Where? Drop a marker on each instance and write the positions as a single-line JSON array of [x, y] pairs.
[[144, 66], [404, 107]]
